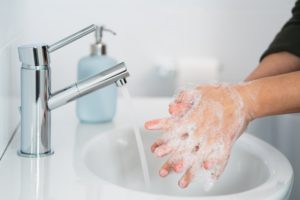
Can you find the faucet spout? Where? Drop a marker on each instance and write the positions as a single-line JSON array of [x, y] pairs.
[[116, 74]]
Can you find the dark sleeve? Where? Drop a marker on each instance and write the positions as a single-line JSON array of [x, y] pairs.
[[288, 39]]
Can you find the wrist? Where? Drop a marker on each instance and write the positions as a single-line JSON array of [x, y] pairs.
[[249, 99]]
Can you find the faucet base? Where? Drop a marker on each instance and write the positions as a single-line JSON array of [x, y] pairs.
[[26, 155]]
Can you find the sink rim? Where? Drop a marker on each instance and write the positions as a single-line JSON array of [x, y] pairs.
[[277, 183]]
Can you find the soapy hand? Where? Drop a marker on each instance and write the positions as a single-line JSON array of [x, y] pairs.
[[204, 124]]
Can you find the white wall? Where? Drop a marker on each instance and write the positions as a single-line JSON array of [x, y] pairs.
[[10, 29], [234, 31]]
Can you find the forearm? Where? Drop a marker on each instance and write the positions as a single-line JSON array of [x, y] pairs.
[[272, 95], [275, 64]]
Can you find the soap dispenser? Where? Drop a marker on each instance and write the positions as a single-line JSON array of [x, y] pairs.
[[99, 106]]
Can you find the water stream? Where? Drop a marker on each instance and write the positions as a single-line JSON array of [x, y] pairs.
[[140, 146]]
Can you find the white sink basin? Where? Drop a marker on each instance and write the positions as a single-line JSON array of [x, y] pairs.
[[255, 170], [101, 161]]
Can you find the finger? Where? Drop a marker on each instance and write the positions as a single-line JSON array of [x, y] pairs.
[[186, 178], [208, 165], [219, 168], [165, 169], [179, 109], [156, 144], [158, 124], [186, 96], [178, 166], [163, 150], [216, 166], [183, 102], [181, 160], [184, 136], [196, 148]]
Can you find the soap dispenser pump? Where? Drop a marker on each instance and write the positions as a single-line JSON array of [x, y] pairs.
[[99, 106]]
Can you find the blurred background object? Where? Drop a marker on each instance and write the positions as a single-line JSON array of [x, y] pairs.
[[197, 70]]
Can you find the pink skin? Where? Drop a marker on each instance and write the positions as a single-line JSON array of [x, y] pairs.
[[199, 134]]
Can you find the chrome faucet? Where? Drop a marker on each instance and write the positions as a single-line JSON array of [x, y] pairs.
[[37, 100]]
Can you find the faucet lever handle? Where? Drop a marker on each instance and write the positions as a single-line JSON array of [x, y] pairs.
[[34, 55], [72, 38]]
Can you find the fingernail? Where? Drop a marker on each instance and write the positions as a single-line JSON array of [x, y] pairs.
[[182, 183], [152, 124], [152, 149], [146, 125], [158, 152], [207, 165], [163, 172], [178, 167]]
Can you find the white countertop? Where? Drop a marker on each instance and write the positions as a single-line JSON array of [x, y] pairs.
[[61, 176], [9, 117]]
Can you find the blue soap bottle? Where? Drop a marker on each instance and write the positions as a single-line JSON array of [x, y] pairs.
[[99, 106]]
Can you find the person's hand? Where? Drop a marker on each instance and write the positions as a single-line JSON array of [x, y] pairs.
[[205, 122]]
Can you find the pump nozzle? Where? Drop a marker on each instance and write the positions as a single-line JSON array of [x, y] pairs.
[[99, 47], [99, 33]]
